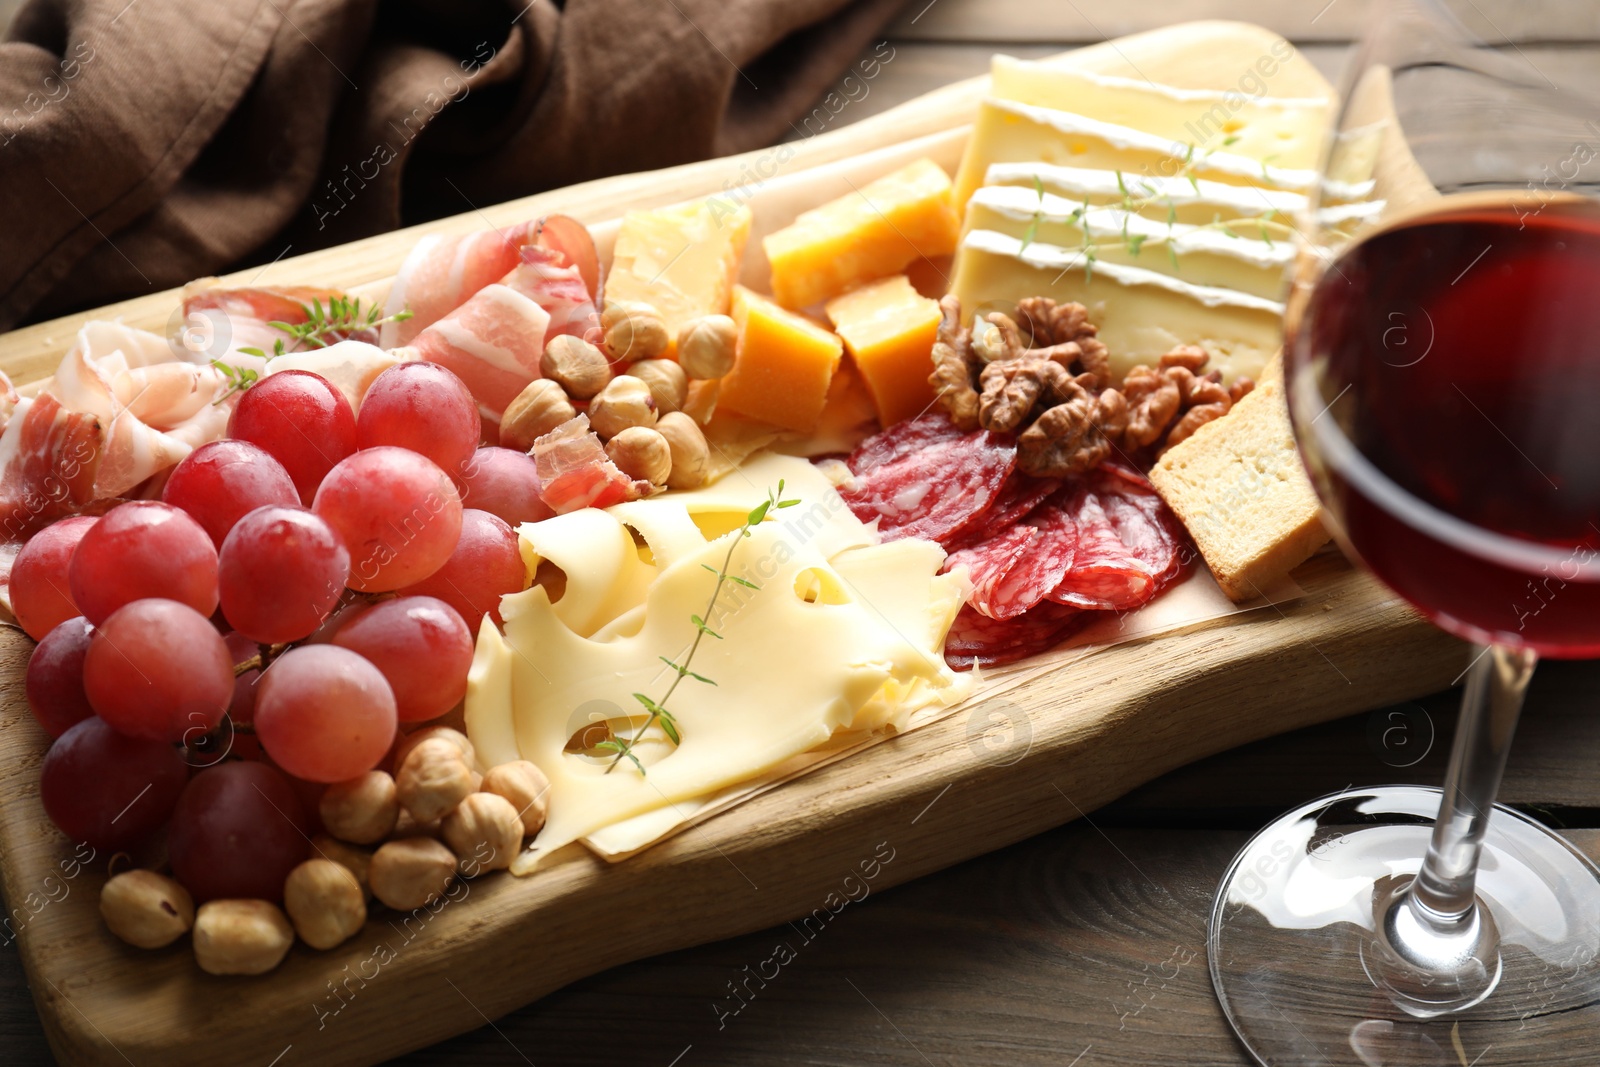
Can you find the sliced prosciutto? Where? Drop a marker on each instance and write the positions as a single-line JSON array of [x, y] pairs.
[[218, 322], [975, 638], [48, 459], [493, 342], [921, 479], [442, 273], [575, 472]]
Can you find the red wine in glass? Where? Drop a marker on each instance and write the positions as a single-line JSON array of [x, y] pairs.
[[1453, 425]]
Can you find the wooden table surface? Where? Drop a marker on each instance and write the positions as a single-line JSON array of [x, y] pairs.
[[1086, 945]]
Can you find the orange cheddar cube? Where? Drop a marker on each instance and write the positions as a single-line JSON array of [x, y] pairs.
[[889, 327], [784, 366], [866, 234], [681, 260]]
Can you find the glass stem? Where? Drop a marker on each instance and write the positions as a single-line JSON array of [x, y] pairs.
[[1496, 683]]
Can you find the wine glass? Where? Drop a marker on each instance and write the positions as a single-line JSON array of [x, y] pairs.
[[1442, 359]]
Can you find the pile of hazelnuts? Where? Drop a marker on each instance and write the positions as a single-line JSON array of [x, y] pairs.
[[435, 819], [649, 415]]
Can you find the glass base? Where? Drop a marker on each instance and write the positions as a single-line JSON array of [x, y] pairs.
[[1297, 941]]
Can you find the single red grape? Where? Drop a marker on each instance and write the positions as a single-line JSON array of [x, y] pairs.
[[302, 421], [399, 515], [424, 407], [108, 789], [55, 677], [158, 669], [219, 483], [324, 713], [41, 594], [486, 565], [280, 571], [141, 549], [421, 646], [504, 482], [238, 830]]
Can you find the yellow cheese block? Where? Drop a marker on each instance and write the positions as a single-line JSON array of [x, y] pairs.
[[889, 329], [866, 234], [784, 365], [682, 260]]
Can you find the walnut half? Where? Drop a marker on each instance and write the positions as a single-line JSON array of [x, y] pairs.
[[1012, 388], [1072, 436], [954, 367]]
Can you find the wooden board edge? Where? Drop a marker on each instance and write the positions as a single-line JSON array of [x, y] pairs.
[[937, 796]]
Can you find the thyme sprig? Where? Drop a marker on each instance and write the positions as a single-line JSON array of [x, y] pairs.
[[342, 316], [239, 378], [656, 709]]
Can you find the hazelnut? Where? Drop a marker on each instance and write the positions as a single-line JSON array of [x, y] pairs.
[[538, 409], [667, 382], [325, 902], [416, 737], [146, 909], [706, 346], [634, 330], [433, 779], [579, 366], [240, 936], [355, 860], [485, 833], [408, 826], [625, 401], [691, 456], [640, 452], [411, 872], [362, 810], [525, 786]]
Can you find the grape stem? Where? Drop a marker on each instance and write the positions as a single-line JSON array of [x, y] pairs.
[[260, 661]]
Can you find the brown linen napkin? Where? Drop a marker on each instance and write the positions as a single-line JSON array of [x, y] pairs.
[[143, 144]]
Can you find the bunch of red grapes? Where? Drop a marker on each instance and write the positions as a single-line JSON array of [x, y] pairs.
[[303, 588]]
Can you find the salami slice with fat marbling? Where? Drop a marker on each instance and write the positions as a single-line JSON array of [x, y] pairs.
[[919, 480], [976, 638]]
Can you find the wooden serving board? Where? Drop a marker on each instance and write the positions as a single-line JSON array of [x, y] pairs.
[[1045, 752]]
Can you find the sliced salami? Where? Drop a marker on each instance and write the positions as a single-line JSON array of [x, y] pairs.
[[1021, 494], [989, 563], [1051, 556], [1107, 574], [935, 490], [976, 638], [901, 439]]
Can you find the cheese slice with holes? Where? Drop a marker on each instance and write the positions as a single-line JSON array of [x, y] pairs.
[[834, 631]]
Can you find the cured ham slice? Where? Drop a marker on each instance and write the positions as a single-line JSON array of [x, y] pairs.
[[49, 456], [349, 366], [492, 342], [549, 280], [575, 472], [218, 322], [442, 273]]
